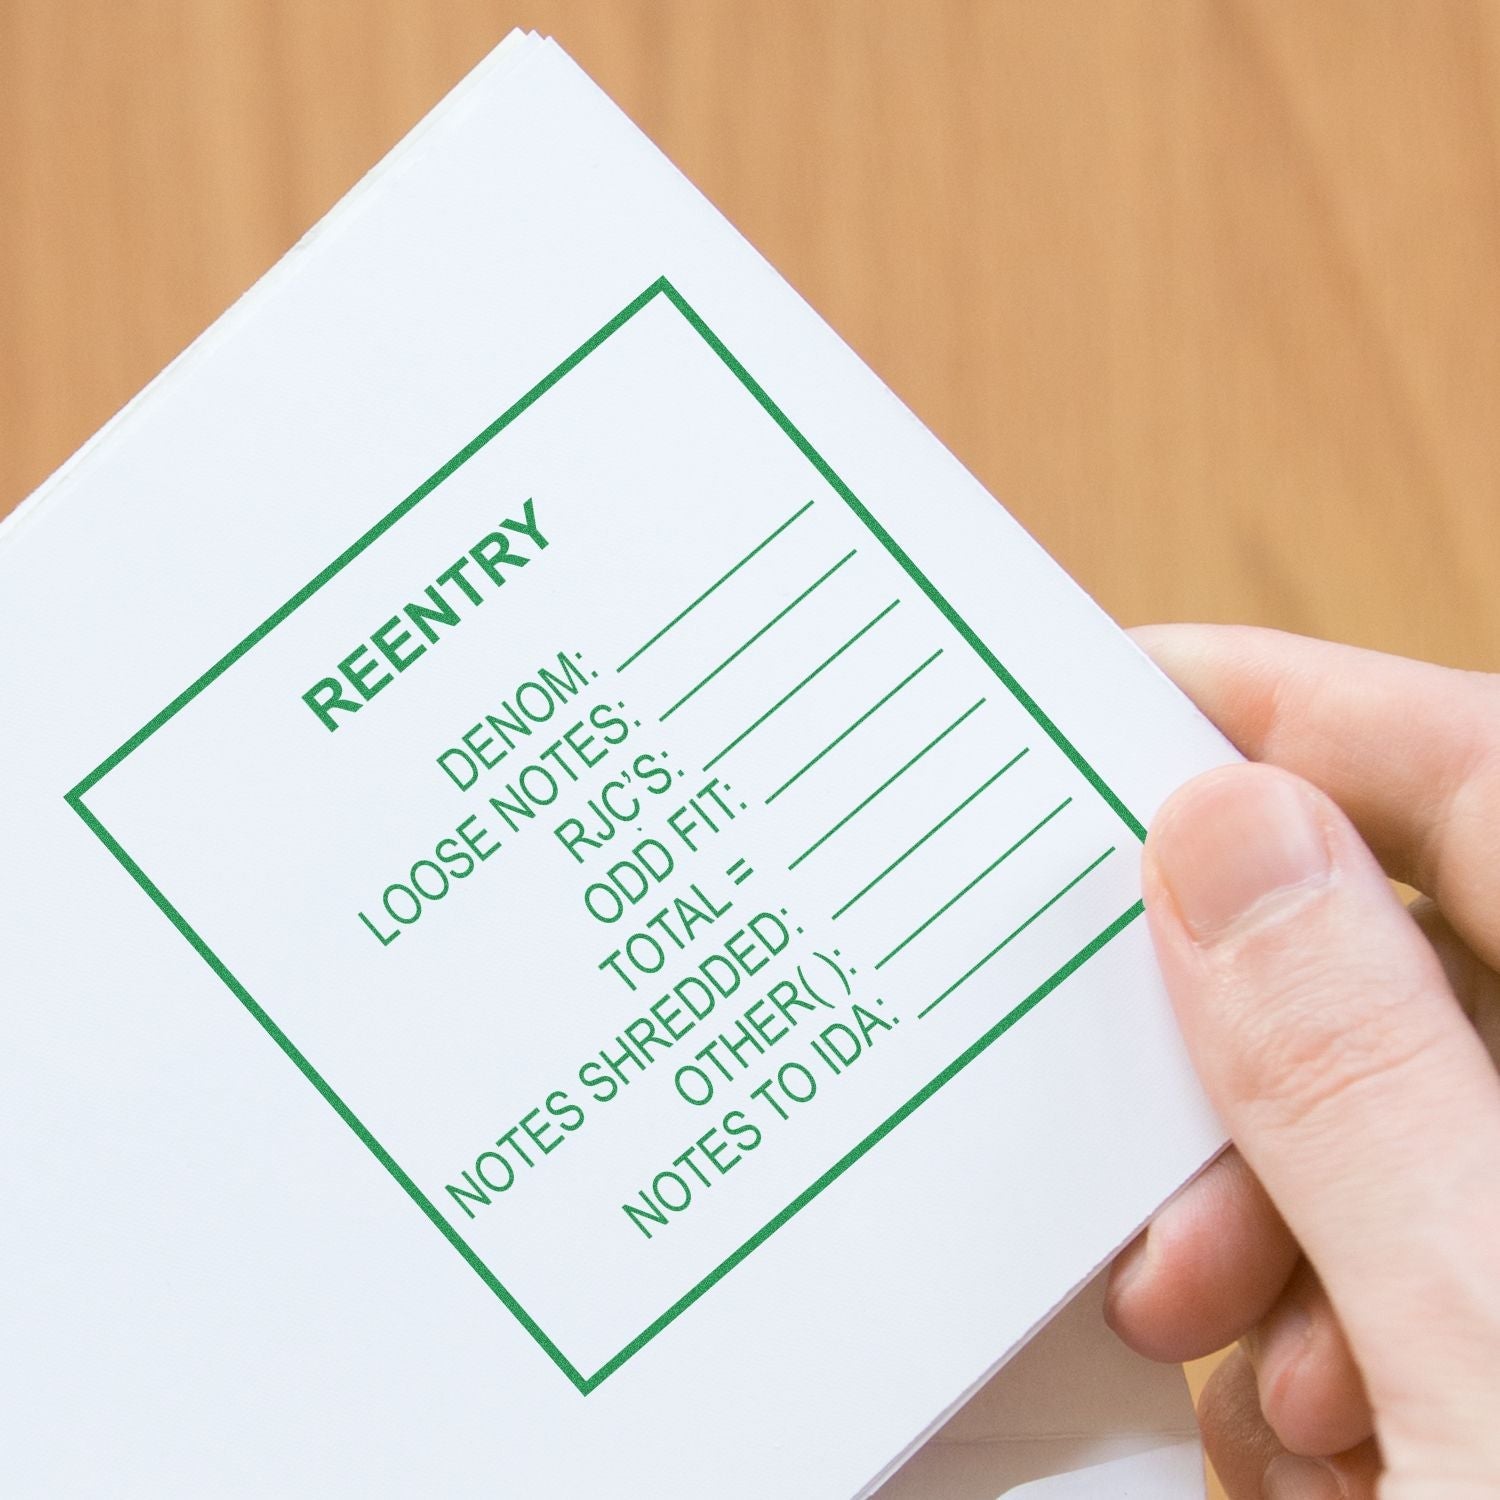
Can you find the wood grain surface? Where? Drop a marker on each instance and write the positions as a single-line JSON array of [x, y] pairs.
[[1207, 291]]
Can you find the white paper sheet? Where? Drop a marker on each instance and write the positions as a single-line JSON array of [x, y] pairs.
[[1075, 1414], [356, 1142]]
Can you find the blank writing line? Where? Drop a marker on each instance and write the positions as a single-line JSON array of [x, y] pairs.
[[839, 740], [787, 697], [993, 865], [678, 619], [968, 974], [936, 827], [739, 651], [890, 780]]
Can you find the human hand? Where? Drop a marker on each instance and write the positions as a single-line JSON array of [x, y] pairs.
[[1351, 1238]]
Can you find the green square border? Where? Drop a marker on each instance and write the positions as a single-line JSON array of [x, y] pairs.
[[586, 1383]]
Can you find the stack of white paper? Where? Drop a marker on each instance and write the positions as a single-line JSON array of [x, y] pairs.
[[572, 919]]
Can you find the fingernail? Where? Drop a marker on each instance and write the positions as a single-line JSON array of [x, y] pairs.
[[1129, 1267], [1239, 839], [1289, 1477]]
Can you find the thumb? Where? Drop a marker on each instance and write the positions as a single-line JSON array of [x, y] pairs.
[[1327, 1037]]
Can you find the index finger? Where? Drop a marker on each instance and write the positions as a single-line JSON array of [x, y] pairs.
[[1409, 751]]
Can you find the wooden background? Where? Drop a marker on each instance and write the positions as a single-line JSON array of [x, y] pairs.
[[1207, 291]]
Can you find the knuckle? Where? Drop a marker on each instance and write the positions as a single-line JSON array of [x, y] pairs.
[[1310, 1059], [1228, 1402], [1235, 1435]]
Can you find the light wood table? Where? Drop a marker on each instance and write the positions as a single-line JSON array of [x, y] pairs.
[[1208, 291]]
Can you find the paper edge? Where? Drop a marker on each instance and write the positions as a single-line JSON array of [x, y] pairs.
[[516, 48]]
